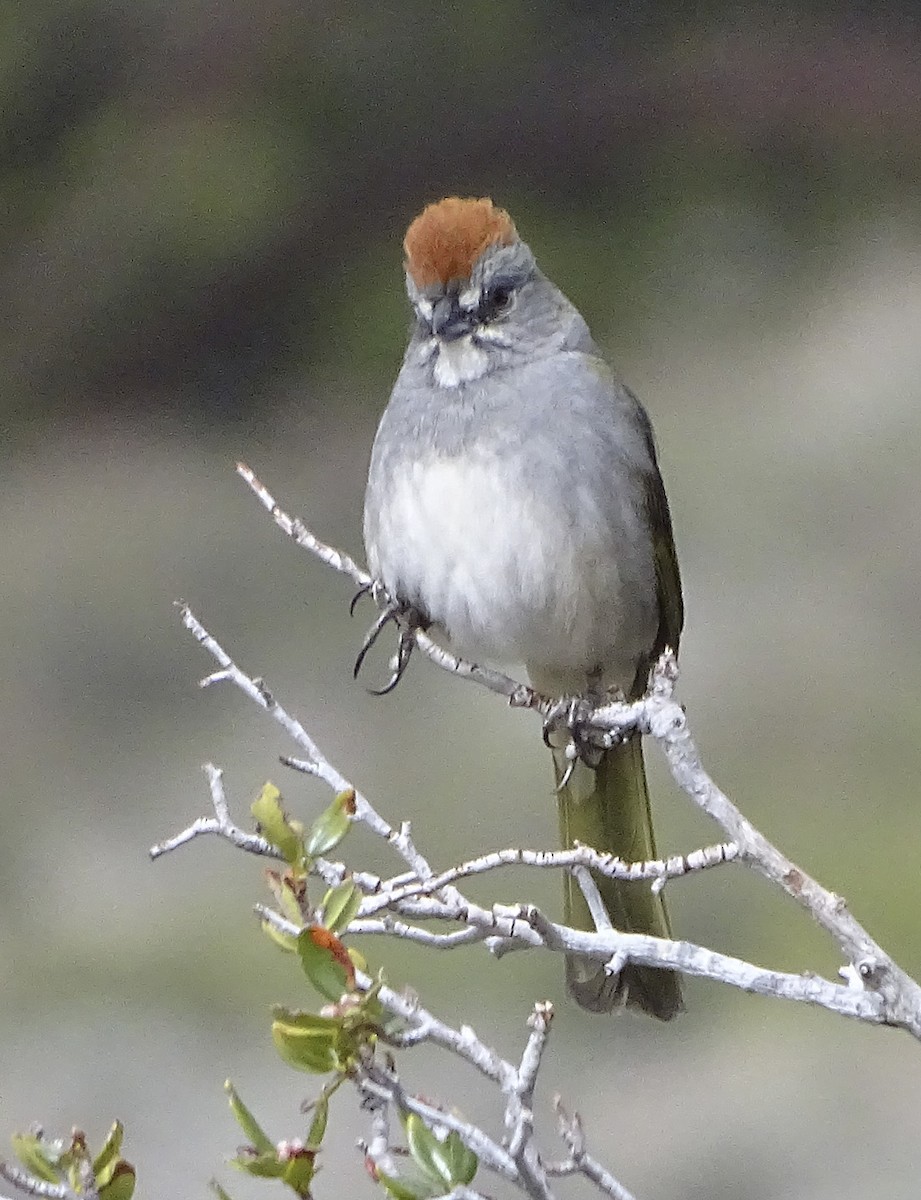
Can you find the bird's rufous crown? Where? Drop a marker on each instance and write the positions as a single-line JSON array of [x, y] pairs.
[[448, 237]]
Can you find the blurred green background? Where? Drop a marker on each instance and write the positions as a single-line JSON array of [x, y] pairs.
[[203, 206]]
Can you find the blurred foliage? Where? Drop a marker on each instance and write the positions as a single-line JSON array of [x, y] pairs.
[[197, 195]]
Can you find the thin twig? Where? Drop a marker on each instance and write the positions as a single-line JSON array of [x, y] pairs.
[[609, 865], [519, 1113], [220, 824], [589, 890], [39, 1187], [580, 1162]]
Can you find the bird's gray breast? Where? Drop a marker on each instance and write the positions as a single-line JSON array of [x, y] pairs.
[[487, 514]]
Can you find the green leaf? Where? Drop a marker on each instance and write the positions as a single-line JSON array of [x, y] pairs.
[[288, 902], [341, 905], [121, 1185], [36, 1157], [276, 827], [289, 889], [400, 1189], [326, 962], [306, 1022], [261, 1166], [318, 1124], [106, 1160], [73, 1158], [460, 1162], [284, 941], [426, 1150], [308, 1042], [300, 1169], [446, 1161], [219, 1191], [292, 1164], [252, 1130], [332, 825], [369, 1004]]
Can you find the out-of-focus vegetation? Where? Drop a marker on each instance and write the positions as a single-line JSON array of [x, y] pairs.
[[199, 196], [203, 206]]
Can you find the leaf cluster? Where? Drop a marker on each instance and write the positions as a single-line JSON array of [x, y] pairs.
[[343, 1036], [70, 1167]]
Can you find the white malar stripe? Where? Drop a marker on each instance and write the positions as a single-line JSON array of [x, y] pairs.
[[459, 362]]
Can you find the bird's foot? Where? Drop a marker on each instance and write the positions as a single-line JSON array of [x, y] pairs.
[[406, 619], [572, 716]]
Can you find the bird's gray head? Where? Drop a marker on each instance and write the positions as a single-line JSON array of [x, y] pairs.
[[480, 301]]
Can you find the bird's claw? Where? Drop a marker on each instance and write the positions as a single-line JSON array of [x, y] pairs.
[[364, 590], [384, 617], [406, 619], [557, 718], [405, 647], [573, 715]]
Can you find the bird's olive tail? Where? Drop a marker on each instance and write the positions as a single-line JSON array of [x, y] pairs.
[[608, 808]]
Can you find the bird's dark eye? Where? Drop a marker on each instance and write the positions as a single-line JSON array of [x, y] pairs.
[[496, 299]]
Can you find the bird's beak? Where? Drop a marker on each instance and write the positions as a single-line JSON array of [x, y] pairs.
[[448, 322]]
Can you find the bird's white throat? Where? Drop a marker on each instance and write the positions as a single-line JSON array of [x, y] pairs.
[[458, 362]]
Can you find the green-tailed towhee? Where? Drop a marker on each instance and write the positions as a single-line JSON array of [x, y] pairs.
[[514, 501]]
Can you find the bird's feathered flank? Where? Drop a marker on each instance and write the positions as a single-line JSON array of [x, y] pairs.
[[447, 238]]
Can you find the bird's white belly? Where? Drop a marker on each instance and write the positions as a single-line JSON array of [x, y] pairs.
[[496, 566]]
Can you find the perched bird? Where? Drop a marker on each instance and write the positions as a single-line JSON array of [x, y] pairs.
[[514, 501]]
